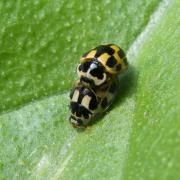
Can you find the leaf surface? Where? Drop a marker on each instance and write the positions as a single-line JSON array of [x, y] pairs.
[[41, 42]]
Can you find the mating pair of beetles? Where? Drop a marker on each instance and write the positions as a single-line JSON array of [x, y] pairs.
[[97, 85]]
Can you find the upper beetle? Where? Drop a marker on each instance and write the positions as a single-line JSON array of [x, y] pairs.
[[101, 63]]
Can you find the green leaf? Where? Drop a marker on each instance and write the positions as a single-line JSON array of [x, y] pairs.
[[40, 44], [154, 143]]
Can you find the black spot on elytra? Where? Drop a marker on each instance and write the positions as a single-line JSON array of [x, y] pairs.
[[84, 66], [81, 94], [93, 104], [103, 49], [97, 72], [85, 112], [111, 62], [80, 67], [104, 103], [86, 92], [79, 110], [73, 107], [121, 53], [86, 80], [118, 67]]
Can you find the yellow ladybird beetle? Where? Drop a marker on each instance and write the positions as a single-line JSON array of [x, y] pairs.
[[86, 103], [101, 64]]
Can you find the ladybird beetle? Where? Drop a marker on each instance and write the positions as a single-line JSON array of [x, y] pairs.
[[86, 103], [100, 64]]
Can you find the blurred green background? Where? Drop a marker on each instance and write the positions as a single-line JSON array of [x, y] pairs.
[[40, 45]]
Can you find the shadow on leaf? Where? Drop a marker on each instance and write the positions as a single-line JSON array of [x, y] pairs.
[[127, 87]]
